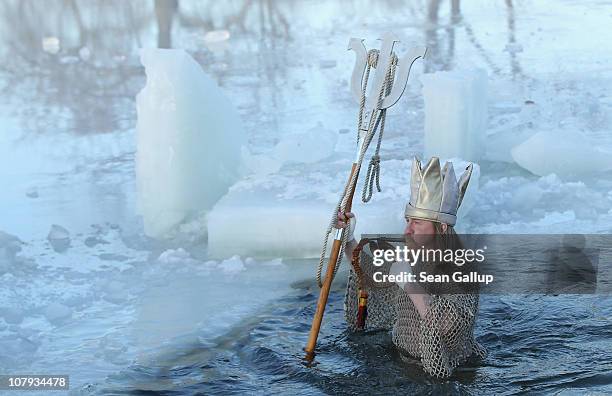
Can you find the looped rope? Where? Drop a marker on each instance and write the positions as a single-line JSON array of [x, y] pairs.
[[374, 166], [373, 174], [376, 120]]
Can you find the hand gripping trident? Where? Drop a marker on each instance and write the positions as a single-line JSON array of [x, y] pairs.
[[389, 83]]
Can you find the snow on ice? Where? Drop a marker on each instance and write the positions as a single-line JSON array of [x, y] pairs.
[[313, 145], [564, 153]]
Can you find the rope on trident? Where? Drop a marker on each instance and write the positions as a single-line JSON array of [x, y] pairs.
[[388, 88], [376, 120], [373, 172]]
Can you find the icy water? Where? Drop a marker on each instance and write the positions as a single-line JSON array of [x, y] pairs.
[[260, 356], [124, 314]]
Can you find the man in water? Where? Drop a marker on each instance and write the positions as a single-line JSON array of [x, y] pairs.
[[435, 327]]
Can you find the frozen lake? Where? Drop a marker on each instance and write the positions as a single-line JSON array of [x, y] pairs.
[[119, 311]]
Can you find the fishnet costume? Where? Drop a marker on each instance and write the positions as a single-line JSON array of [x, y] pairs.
[[381, 296], [442, 340]]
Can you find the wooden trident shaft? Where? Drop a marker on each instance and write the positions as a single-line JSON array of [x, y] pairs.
[[371, 106], [329, 274]]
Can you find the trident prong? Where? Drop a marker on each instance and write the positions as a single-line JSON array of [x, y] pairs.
[[361, 56], [401, 80], [384, 58]]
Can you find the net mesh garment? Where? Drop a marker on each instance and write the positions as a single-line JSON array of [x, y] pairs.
[[442, 340], [381, 296]]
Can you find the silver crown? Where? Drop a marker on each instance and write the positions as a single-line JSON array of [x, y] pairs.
[[435, 194]]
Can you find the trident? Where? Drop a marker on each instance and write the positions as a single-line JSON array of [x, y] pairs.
[[388, 86]]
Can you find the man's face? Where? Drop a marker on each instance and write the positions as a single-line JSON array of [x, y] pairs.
[[420, 231]]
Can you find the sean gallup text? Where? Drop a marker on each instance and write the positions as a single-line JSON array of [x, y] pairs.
[[423, 277]]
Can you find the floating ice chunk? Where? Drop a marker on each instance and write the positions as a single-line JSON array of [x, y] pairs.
[[508, 204], [273, 263], [232, 265], [286, 215], [311, 146], [56, 313], [307, 147], [58, 232], [499, 145], [189, 139], [553, 218], [564, 153], [92, 241], [11, 315], [84, 53], [455, 113], [259, 163], [51, 44], [10, 245], [217, 41], [59, 238], [215, 36], [526, 197], [209, 264], [172, 256], [269, 227]]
